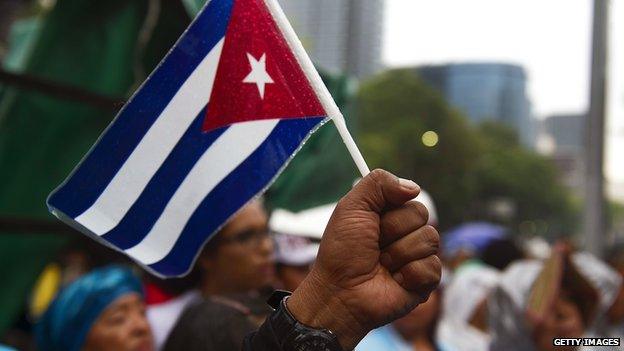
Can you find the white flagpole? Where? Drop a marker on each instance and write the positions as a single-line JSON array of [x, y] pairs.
[[317, 84]]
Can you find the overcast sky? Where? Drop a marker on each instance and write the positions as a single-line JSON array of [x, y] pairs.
[[549, 38]]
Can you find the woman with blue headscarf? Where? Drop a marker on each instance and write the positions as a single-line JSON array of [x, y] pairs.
[[103, 310]]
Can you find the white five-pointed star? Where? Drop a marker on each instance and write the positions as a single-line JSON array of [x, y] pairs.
[[258, 74]]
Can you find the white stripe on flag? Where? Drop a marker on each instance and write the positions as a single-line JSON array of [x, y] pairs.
[[231, 149], [125, 188]]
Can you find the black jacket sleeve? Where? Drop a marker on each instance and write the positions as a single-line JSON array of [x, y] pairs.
[[264, 338], [282, 332]]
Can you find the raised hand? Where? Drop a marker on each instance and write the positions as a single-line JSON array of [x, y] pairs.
[[377, 261]]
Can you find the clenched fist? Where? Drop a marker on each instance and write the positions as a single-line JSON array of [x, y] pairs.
[[377, 261]]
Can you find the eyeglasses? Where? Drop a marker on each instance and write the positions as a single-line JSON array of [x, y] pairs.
[[250, 238]]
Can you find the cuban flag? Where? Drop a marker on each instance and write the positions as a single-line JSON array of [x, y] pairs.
[[210, 129]]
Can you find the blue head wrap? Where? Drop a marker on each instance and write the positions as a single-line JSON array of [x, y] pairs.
[[66, 323]]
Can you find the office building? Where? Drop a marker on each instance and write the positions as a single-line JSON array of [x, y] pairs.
[[486, 91], [341, 36]]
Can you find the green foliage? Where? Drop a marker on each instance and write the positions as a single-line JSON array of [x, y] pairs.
[[470, 168], [395, 109], [507, 170], [86, 44]]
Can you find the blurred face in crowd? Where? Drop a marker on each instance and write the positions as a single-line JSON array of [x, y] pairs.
[[242, 259], [421, 320], [121, 327], [292, 276], [565, 322]]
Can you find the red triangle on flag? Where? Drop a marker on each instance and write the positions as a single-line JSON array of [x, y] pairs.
[[258, 75]]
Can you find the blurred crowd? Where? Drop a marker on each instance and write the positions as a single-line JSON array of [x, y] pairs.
[[498, 292]]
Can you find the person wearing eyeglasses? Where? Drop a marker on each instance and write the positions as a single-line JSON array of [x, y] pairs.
[[239, 259], [235, 268], [377, 261]]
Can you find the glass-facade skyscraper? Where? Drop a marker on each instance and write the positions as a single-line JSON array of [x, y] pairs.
[[486, 91], [341, 36]]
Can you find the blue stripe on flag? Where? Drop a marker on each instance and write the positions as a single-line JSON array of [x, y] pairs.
[[107, 156], [145, 211], [247, 180]]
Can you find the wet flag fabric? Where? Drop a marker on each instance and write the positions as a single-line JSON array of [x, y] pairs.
[[211, 128]]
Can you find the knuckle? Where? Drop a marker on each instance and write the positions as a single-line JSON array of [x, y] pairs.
[[422, 211], [391, 223], [436, 266], [407, 218], [419, 277], [372, 185], [428, 271], [413, 207], [414, 211], [377, 175], [431, 277], [413, 271], [432, 237]]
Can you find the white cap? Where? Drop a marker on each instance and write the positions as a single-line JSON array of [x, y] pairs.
[[296, 233], [294, 250], [309, 223]]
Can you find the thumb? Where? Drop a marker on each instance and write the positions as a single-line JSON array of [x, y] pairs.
[[379, 190]]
